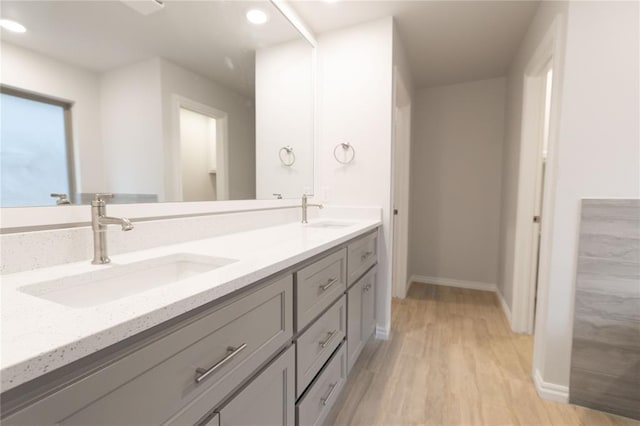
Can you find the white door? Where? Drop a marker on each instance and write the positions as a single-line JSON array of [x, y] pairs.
[[539, 193], [401, 176]]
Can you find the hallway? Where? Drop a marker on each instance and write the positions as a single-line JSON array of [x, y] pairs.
[[451, 360]]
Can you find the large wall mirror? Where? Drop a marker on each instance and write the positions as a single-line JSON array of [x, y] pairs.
[[153, 101]]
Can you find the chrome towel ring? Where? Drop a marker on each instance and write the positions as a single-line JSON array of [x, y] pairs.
[[346, 147], [290, 156]]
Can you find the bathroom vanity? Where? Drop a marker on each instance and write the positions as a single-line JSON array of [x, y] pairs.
[[266, 337]]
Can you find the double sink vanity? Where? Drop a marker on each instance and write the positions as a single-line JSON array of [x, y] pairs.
[[216, 314], [256, 327]]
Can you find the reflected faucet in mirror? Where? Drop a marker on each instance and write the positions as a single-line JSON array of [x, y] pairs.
[[62, 199], [305, 206], [99, 223]]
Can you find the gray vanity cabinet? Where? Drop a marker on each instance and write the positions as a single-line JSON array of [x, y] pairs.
[[273, 354], [361, 318], [180, 377], [268, 400]]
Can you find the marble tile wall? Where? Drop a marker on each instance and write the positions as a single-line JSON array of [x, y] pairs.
[[605, 359]]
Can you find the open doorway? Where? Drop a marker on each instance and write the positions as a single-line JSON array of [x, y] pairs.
[[198, 160], [400, 189], [198, 156]]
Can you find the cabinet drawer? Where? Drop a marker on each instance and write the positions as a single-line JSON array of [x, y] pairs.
[[315, 346], [362, 254], [268, 400], [313, 408], [158, 383], [319, 285]]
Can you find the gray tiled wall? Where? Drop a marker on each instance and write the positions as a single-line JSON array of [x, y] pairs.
[[605, 359]]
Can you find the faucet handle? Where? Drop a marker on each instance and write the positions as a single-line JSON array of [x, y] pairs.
[[99, 199]]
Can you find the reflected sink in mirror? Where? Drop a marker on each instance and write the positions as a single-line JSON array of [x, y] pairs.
[[117, 281], [329, 224]]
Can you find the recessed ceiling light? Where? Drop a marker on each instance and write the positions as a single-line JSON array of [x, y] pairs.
[[257, 17], [14, 26]]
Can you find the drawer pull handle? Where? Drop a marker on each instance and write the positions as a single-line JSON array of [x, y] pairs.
[[328, 284], [325, 399], [332, 334], [203, 373], [365, 256]]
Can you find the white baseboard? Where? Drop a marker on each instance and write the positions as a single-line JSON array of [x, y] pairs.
[[449, 282], [505, 307], [550, 391], [382, 333]]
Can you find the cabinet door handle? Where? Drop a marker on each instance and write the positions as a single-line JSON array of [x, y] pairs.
[[203, 373], [365, 256], [332, 334], [328, 284], [325, 399], [367, 288]]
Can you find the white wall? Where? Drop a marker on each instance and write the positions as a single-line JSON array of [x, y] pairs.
[[598, 152], [456, 181], [547, 12], [131, 114], [284, 116], [34, 72], [598, 155], [241, 122], [355, 105]]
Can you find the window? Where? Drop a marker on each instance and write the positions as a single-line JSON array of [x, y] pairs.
[[35, 149]]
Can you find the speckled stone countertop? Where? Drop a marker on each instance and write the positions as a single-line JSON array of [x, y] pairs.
[[39, 336]]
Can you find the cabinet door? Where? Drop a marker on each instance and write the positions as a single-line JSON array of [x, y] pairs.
[[368, 305], [354, 323], [268, 400]]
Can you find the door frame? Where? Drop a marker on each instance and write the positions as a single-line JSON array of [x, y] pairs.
[[174, 172], [400, 185], [549, 51]]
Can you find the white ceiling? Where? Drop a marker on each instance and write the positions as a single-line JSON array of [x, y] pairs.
[[447, 42], [203, 36]]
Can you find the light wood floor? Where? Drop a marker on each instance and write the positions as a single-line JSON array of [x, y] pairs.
[[451, 360]]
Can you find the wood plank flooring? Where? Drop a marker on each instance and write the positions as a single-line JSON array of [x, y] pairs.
[[451, 360]]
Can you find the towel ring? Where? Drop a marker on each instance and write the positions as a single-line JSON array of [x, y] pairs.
[[292, 155], [346, 146]]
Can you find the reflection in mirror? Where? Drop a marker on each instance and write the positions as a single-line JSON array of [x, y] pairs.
[[174, 101]]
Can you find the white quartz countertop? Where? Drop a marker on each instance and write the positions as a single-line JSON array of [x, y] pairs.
[[39, 336]]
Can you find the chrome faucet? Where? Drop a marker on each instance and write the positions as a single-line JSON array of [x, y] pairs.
[[99, 222], [305, 205]]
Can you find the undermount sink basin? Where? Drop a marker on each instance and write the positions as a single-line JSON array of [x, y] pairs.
[[118, 281], [329, 224]]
